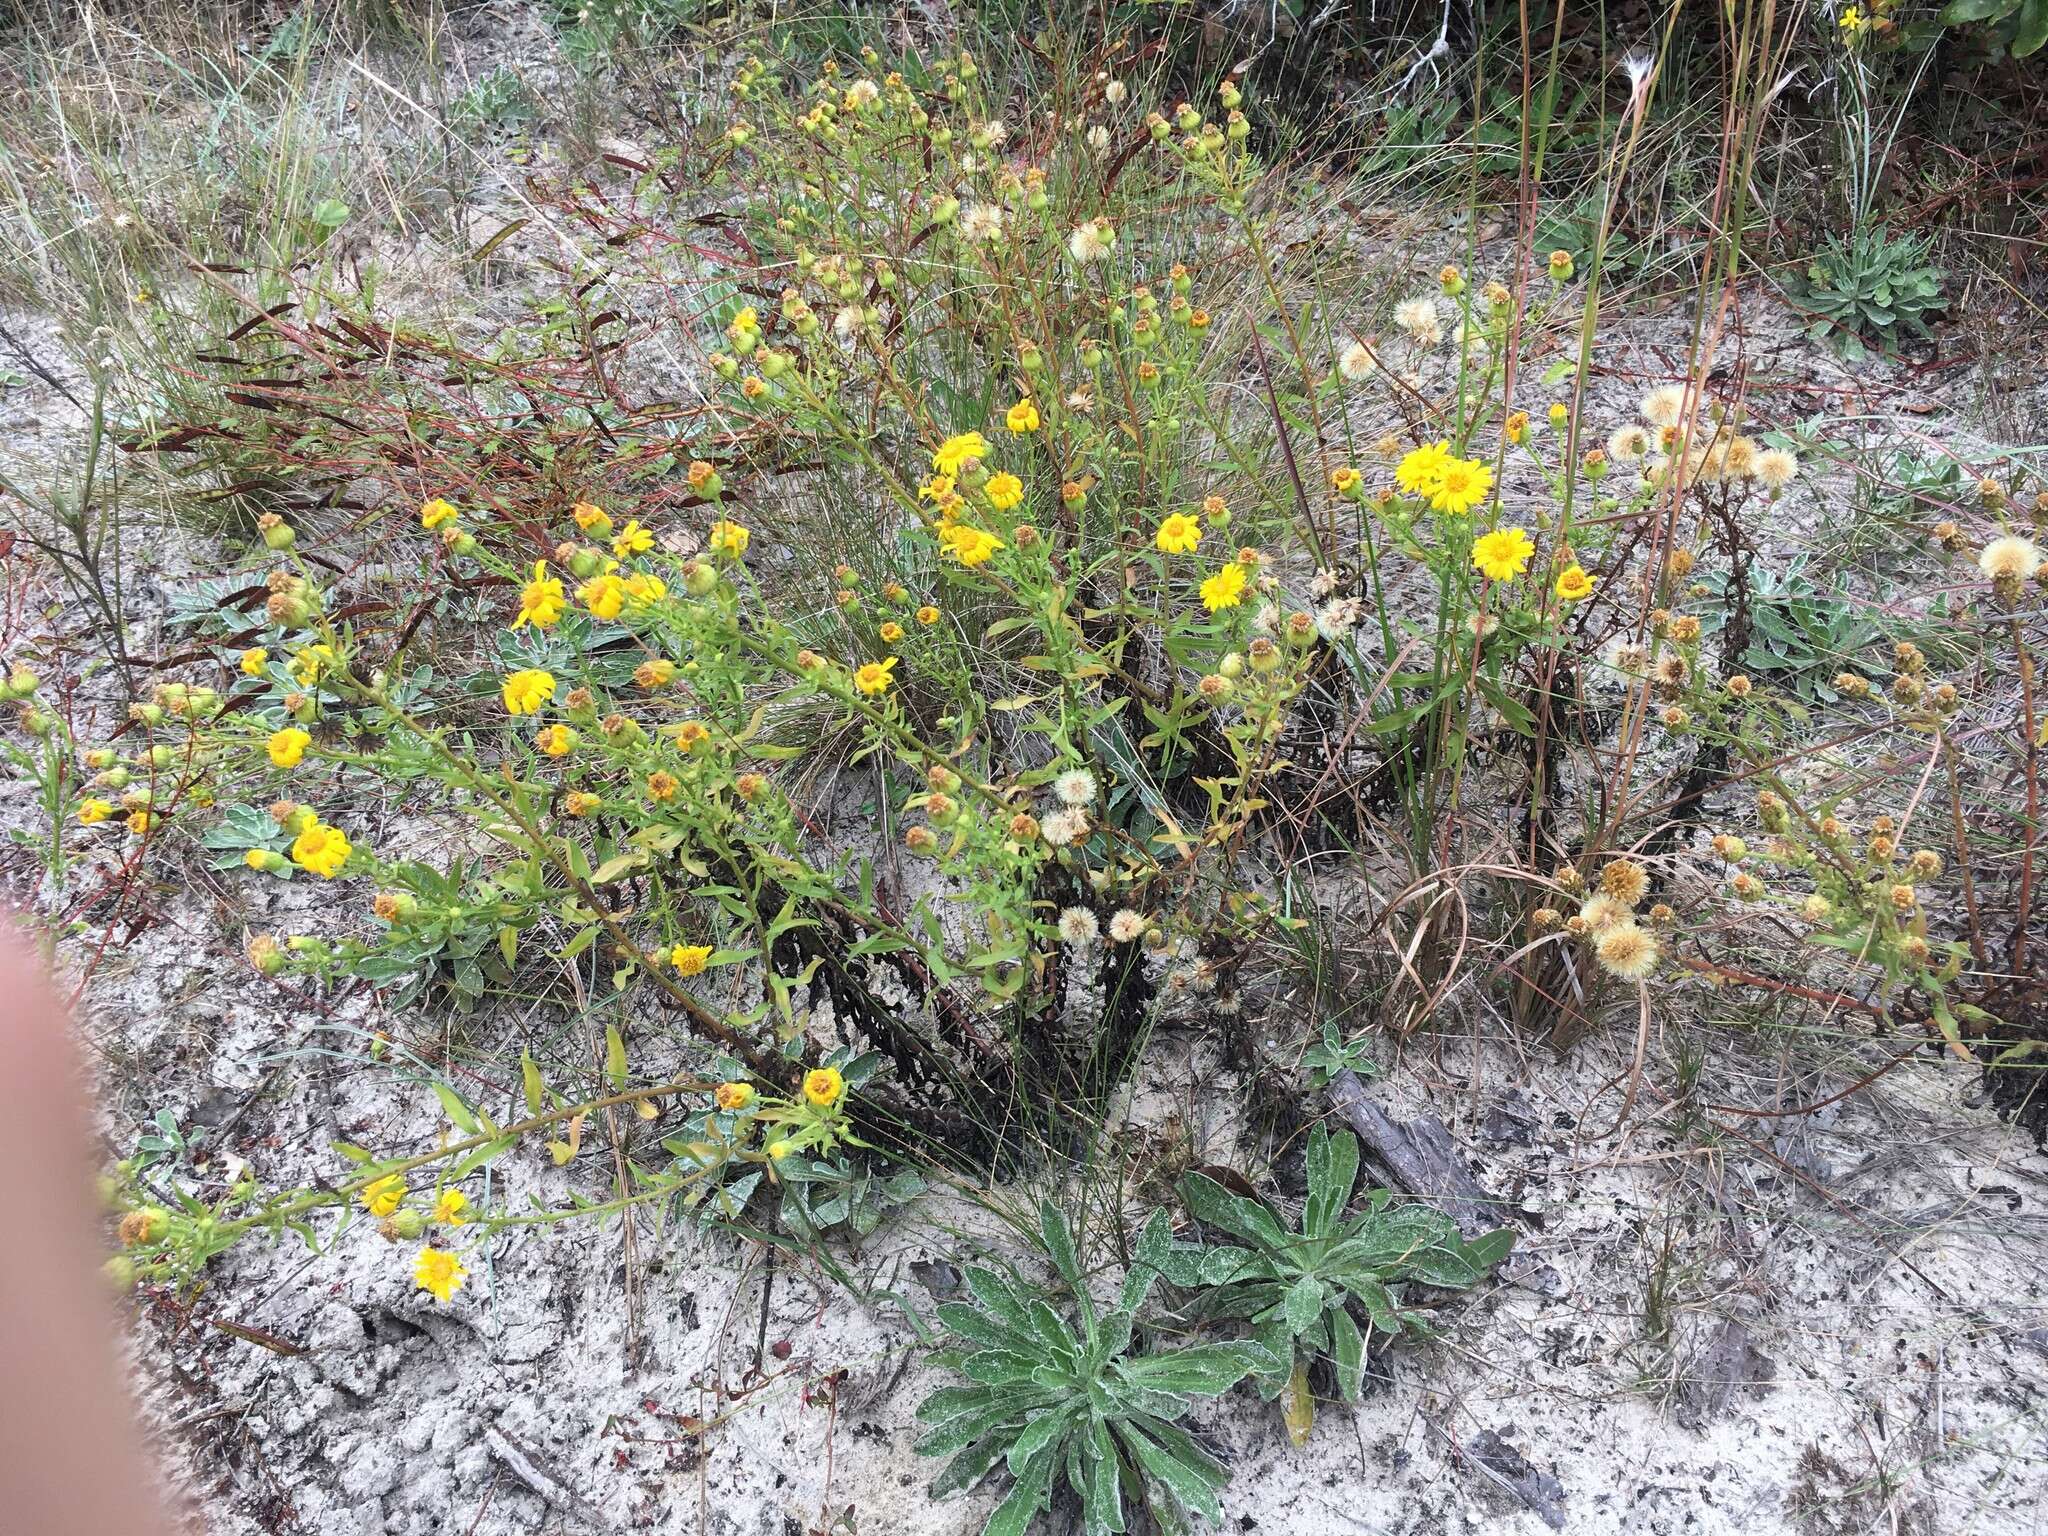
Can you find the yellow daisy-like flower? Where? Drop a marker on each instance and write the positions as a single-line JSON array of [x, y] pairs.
[[1022, 417], [1344, 480], [1004, 491], [957, 450], [525, 692], [542, 600], [254, 660], [591, 518], [287, 746], [632, 539], [824, 1087], [969, 545], [439, 1273], [1574, 585], [1224, 590], [556, 740], [1503, 554], [927, 615], [312, 664], [890, 632], [436, 513], [734, 1097], [381, 1197], [604, 596], [1179, 534], [449, 1207], [93, 811], [939, 488], [662, 785], [728, 538], [320, 849], [1418, 470], [873, 676], [690, 959], [1461, 485]]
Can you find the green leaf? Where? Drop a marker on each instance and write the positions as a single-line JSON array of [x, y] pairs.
[[984, 1328], [458, 1111], [529, 1076], [1332, 1170], [968, 1467], [1102, 1497], [1190, 1474], [1241, 1218], [615, 1058], [1013, 1516], [1203, 1370], [1304, 1304], [1347, 1353], [2033, 28]]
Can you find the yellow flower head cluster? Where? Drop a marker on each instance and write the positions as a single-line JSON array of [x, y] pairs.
[[1004, 491], [956, 450], [320, 849], [690, 959], [525, 692], [439, 1273], [1447, 482], [1022, 417], [633, 539], [1573, 584], [1503, 554], [287, 746], [727, 538], [969, 545], [436, 513], [1225, 589], [542, 600], [874, 676], [1179, 534], [824, 1087]]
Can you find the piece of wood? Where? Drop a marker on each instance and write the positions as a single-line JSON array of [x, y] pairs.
[[525, 1464], [1420, 1156]]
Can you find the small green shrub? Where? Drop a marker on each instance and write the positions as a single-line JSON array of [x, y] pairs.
[[1059, 1402], [1296, 1287], [1873, 289]]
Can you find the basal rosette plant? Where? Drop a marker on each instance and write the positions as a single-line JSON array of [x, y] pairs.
[[1296, 1287], [1078, 1403]]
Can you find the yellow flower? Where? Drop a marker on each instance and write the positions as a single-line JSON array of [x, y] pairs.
[[1224, 590], [927, 615], [1851, 20], [1022, 417], [556, 740], [1418, 470], [321, 849], [1179, 534], [940, 489], [1503, 554], [380, 1197], [579, 803], [254, 660], [449, 1207], [690, 959], [632, 539], [287, 746], [957, 450], [255, 858], [824, 1087], [436, 512], [591, 518], [542, 601], [1516, 428], [662, 785], [873, 676], [969, 545], [439, 1273], [1344, 480], [728, 538], [642, 589], [890, 632], [733, 1097], [94, 811], [1573, 584], [313, 663], [1004, 491], [1460, 485], [525, 692], [139, 822], [604, 596]]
